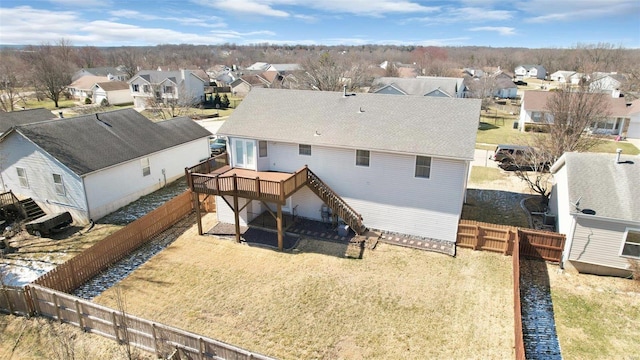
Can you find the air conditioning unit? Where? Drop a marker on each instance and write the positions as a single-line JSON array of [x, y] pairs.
[[549, 219]]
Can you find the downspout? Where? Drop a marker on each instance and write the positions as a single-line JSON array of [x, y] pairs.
[[86, 200], [567, 246]]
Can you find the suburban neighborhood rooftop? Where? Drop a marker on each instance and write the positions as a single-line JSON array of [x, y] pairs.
[[444, 127]]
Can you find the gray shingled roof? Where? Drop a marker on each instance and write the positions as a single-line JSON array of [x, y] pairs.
[[602, 185], [443, 127], [21, 117], [92, 142], [421, 85]]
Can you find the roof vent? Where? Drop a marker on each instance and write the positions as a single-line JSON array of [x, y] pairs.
[[360, 111]]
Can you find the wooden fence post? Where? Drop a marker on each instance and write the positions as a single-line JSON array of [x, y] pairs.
[[79, 311], [55, 303], [477, 238], [507, 243], [6, 296], [115, 326], [155, 338], [201, 348]]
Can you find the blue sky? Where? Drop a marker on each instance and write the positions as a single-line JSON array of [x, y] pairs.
[[532, 24]]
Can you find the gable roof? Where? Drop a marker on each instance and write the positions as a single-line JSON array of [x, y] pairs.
[[613, 192], [113, 85], [158, 77], [104, 71], [536, 100], [442, 127], [21, 117], [86, 82], [504, 83], [92, 142], [421, 85]]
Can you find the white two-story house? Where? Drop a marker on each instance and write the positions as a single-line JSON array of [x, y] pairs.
[[183, 87], [396, 164]]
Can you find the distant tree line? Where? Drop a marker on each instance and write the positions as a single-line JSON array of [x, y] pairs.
[[47, 68]]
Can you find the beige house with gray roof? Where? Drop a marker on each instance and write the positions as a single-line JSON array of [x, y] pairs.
[[596, 202], [379, 155]]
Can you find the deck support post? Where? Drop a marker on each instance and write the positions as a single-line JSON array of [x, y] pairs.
[[236, 208], [196, 205], [279, 225]]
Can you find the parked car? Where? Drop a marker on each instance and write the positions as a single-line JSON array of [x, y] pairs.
[[218, 145], [504, 152]]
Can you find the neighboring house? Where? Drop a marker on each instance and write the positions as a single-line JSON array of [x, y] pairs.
[[604, 82], [422, 85], [378, 153], [21, 117], [258, 66], [181, 86], [112, 92], [566, 77], [243, 85], [111, 73], [534, 111], [91, 165], [505, 88], [633, 131], [596, 201], [82, 88], [530, 71]]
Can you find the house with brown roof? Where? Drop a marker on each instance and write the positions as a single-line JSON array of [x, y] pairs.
[[534, 111], [112, 93], [82, 88]]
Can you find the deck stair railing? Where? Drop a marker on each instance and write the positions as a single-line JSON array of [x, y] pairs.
[[335, 203]]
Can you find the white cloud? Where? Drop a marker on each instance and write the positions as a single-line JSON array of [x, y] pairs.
[[502, 30], [83, 3], [452, 15], [541, 11], [255, 7]]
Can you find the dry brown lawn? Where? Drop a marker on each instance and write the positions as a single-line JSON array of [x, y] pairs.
[[597, 317], [315, 303]]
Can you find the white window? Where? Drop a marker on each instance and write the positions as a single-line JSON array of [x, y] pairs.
[[244, 153], [631, 245], [22, 177], [423, 166], [362, 157], [58, 184], [135, 87], [146, 167], [145, 88], [536, 116], [262, 148], [304, 149], [168, 89]]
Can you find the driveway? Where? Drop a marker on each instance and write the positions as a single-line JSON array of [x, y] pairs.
[[481, 158]]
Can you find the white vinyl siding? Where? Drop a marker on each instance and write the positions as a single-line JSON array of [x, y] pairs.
[[598, 242], [58, 184], [387, 193]]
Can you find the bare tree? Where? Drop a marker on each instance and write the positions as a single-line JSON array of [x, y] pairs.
[[89, 57], [11, 80], [571, 111], [330, 73], [171, 102], [51, 74], [128, 60]]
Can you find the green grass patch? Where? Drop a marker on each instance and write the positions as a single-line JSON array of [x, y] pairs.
[[47, 104], [599, 325], [611, 146], [499, 130], [481, 174]]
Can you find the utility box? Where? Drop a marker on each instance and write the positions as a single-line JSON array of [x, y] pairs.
[[343, 230]]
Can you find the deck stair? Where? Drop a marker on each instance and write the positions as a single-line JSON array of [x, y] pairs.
[[335, 203], [31, 209]]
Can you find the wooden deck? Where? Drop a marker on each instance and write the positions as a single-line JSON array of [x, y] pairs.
[[221, 179]]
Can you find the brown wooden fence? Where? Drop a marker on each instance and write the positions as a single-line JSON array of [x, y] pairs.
[[517, 304], [537, 244], [76, 271], [117, 325]]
